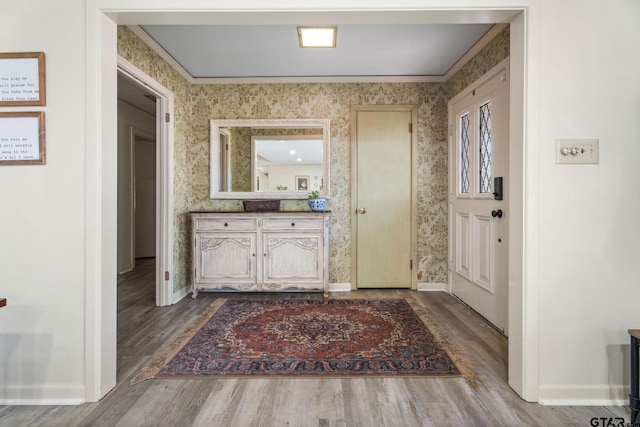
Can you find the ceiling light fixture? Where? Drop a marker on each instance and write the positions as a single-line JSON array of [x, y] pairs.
[[317, 36]]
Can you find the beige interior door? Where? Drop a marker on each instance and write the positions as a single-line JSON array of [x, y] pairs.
[[479, 129], [383, 208]]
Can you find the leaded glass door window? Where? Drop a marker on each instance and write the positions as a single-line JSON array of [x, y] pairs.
[[464, 154], [475, 151], [484, 141]]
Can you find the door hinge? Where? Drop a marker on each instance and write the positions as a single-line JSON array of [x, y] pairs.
[[411, 264], [410, 127], [450, 130], [167, 117], [166, 275]]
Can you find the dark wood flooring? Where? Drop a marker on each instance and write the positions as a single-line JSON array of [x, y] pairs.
[[144, 329]]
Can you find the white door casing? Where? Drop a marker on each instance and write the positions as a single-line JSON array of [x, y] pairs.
[[164, 180], [102, 19], [478, 135]]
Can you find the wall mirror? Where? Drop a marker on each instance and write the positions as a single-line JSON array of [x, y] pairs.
[[269, 159]]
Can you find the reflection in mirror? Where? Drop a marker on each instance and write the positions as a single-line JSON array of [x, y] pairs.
[[270, 159], [287, 163]]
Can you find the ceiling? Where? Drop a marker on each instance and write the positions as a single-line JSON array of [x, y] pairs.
[[255, 51]]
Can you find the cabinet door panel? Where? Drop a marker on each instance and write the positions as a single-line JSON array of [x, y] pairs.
[[226, 257], [294, 258]]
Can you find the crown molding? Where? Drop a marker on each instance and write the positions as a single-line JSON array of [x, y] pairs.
[[475, 49], [319, 79]]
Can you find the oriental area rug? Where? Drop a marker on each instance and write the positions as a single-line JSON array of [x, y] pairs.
[[340, 338]]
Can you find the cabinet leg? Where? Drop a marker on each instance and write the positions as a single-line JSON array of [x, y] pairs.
[[634, 398], [194, 294]]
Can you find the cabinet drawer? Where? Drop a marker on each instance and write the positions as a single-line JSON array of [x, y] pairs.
[[205, 224], [293, 223]]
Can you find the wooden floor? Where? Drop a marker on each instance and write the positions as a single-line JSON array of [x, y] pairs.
[[143, 329]]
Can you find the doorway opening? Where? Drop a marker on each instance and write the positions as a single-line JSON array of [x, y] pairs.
[[142, 89], [136, 174], [100, 53]]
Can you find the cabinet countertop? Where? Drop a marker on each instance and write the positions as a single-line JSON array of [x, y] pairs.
[[261, 212]]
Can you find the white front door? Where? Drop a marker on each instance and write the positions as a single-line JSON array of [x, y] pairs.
[[479, 130]]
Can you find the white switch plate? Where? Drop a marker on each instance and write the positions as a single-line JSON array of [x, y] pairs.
[[578, 151]]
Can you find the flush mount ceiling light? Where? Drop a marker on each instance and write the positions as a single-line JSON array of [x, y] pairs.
[[317, 36]]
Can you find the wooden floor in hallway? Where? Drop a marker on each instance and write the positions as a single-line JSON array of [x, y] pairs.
[[144, 329]]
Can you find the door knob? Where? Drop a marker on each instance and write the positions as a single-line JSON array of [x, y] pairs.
[[362, 211], [497, 213]]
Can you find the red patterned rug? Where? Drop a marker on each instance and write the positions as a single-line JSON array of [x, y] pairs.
[[309, 338]]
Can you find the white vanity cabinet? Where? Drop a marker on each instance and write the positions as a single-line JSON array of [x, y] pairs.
[[260, 251]]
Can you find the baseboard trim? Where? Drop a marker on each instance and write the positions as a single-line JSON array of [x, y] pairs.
[[333, 287], [45, 395], [346, 287], [616, 395], [339, 287], [432, 287], [181, 294]]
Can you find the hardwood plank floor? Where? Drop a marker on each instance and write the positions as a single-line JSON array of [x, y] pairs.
[[144, 329]]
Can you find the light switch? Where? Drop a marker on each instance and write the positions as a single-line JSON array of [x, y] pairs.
[[578, 151]]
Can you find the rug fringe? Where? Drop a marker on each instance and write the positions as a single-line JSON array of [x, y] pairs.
[[152, 368], [459, 358]]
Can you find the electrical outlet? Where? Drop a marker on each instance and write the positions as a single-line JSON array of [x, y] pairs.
[[578, 151]]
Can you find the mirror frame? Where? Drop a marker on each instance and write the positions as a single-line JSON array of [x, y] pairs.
[[215, 157]]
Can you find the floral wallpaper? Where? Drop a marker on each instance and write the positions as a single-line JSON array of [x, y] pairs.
[[240, 143], [197, 104], [490, 55]]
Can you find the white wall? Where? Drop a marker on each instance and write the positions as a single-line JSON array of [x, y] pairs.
[[42, 217], [582, 234], [589, 233], [286, 175]]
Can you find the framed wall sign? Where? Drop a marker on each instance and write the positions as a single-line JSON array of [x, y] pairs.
[[22, 79], [22, 138]]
